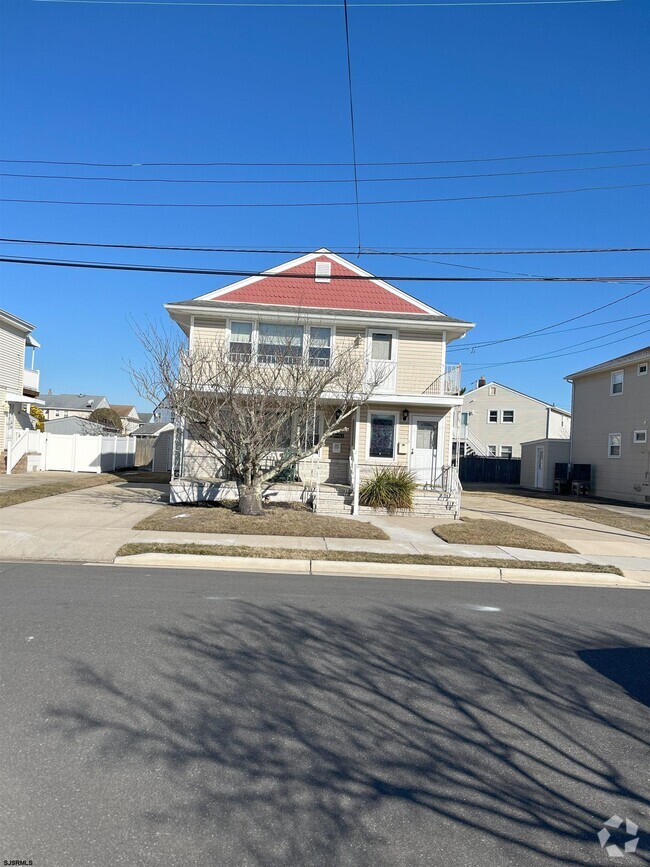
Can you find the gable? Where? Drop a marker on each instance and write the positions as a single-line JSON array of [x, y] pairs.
[[297, 284]]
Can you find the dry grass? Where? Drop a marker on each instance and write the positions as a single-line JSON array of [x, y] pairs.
[[575, 508], [76, 483], [278, 520], [354, 556], [471, 531]]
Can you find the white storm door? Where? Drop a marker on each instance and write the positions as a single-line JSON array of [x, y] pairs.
[[383, 360], [424, 449], [539, 467]]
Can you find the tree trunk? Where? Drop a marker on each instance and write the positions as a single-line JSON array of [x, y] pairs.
[[250, 498]]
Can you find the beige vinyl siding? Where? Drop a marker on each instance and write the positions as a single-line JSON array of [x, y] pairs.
[[12, 358], [530, 418], [209, 331], [559, 425], [419, 360], [596, 414]]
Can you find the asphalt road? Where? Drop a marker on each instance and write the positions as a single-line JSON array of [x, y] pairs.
[[171, 717]]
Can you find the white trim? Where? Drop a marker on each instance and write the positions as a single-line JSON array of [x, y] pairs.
[[301, 260], [489, 420], [645, 436], [514, 418], [492, 454], [412, 440], [369, 436], [614, 373], [609, 445], [640, 372]]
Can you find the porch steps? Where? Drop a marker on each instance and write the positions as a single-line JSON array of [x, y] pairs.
[[337, 500]]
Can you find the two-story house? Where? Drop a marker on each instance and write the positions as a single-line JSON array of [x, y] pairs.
[[406, 421], [611, 417], [495, 420], [19, 381], [72, 405], [131, 420]]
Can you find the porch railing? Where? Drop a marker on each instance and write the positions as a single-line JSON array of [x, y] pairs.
[[448, 383], [16, 448]]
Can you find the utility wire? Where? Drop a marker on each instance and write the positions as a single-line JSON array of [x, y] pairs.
[[136, 164], [374, 251], [352, 127], [472, 347], [355, 180], [330, 5], [165, 269], [320, 204]]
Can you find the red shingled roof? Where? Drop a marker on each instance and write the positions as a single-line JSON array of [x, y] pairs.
[[337, 294]]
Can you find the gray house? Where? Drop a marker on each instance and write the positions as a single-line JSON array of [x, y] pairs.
[[611, 416], [65, 405], [495, 420]]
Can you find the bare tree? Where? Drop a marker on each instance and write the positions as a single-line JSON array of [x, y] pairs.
[[256, 410]]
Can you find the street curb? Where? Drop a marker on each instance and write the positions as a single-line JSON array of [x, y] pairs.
[[380, 570]]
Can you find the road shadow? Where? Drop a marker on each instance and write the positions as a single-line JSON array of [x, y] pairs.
[[309, 738], [627, 666]]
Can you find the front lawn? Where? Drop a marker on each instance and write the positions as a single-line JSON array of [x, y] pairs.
[[355, 556], [479, 531], [277, 520]]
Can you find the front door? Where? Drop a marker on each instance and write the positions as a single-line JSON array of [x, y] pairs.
[[424, 449], [539, 467]]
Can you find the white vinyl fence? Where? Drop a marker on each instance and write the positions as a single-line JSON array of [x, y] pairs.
[[76, 453]]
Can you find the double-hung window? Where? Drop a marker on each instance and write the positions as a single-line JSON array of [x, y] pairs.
[[618, 377], [320, 346], [642, 369], [614, 445], [279, 344], [492, 451], [506, 451], [508, 416], [241, 341], [493, 416], [382, 436]]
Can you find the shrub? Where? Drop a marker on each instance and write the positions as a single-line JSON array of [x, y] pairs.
[[39, 416], [390, 488], [108, 417]]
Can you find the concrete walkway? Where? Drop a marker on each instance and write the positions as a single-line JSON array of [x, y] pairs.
[[92, 524], [18, 481]]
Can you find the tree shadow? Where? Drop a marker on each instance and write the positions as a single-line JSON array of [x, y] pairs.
[[627, 666], [316, 738]]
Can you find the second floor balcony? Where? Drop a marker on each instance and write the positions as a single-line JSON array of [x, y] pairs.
[[31, 382], [448, 383]]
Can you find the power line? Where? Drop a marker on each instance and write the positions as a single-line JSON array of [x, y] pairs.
[[167, 269], [473, 346], [352, 127], [137, 164], [375, 251], [354, 180], [460, 3], [560, 354], [320, 204]]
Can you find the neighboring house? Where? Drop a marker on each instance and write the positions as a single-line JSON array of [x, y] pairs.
[[406, 422], [611, 418], [19, 383], [152, 429], [66, 405], [145, 417], [129, 415], [495, 420], [76, 425]]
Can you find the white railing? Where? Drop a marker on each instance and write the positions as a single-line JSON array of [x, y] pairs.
[[454, 489], [31, 379], [447, 383], [16, 448], [475, 444], [355, 478]]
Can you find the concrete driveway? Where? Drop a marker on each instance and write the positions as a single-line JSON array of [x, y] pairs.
[[18, 481], [90, 524]]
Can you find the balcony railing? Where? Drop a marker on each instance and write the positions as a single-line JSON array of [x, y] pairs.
[[447, 383], [31, 380]]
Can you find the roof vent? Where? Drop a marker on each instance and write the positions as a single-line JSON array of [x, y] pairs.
[[323, 272], [90, 403]]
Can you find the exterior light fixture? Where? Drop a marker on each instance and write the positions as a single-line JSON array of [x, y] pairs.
[[405, 415]]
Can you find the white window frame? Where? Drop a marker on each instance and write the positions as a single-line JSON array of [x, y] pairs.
[[393, 415], [501, 448], [393, 345], [496, 420], [307, 343], [492, 390], [611, 382], [306, 330], [640, 442], [503, 421], [609, 445], [492, 452], [640, 372], [253, 325]]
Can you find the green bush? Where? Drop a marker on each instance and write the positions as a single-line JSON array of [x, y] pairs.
[[391, 488]]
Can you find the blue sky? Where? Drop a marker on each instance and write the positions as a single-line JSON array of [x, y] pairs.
[[147, 83]]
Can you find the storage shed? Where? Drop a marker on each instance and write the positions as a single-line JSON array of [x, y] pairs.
[[538, 459]]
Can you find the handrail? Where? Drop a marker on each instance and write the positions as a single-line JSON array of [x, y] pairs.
[[16, 448], [476, 444], [447, 383]]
